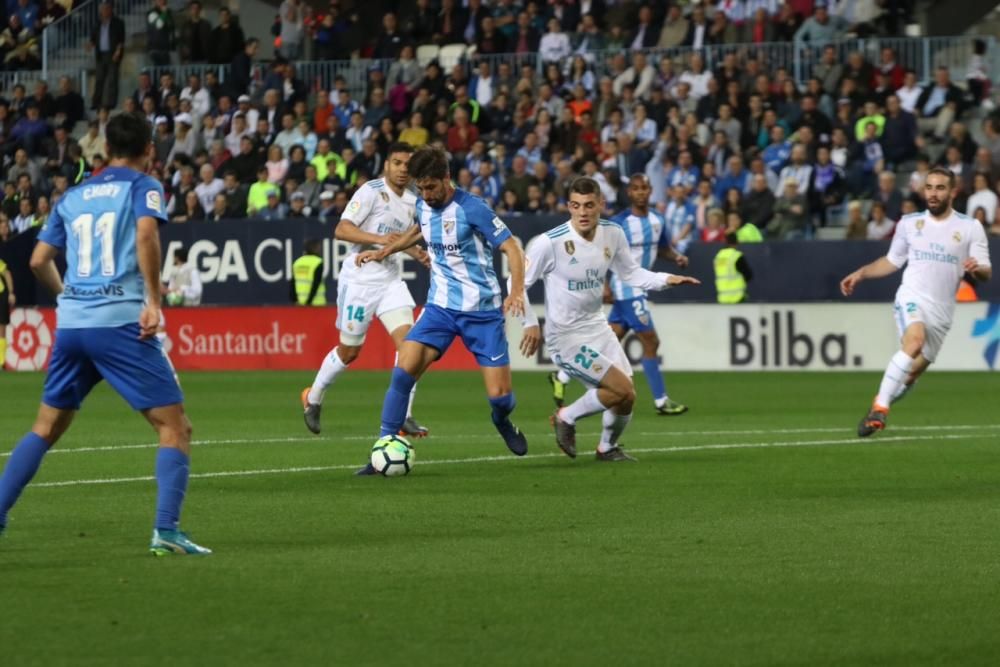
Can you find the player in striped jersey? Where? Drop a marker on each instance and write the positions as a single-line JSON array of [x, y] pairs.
[[649, 239], [574, 259], [464, 300], [377, 214]]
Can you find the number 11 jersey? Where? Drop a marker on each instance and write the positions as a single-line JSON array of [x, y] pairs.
[[95, 224]]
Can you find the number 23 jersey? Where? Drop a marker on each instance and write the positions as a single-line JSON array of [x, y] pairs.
[[95, 224]]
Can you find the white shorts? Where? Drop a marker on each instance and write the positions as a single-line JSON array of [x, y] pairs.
[[358, 304], [936, 318], [587, 357]]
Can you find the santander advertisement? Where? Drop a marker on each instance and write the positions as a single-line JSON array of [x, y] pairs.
[[207, 338]]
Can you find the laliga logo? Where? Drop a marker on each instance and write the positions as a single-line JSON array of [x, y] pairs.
[[30, 340], [989, 328]]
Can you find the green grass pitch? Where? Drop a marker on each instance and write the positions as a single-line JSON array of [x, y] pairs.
[[755, 530]]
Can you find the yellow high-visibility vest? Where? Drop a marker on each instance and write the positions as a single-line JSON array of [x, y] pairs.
[[304, 270], [729, 283]]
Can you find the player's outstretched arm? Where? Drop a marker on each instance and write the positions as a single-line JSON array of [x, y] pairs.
[[880, 268], [147, 246], [43, 265], [407, 239], [514, 303], [351, 233]]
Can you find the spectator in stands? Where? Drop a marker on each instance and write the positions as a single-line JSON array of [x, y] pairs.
[[227, 39], [798, 170], [58, 153], [50, 13], [92, 143], [69, 106], [697, 36], [889, 195], [241, 69], [791, 214], [880, 226], [19, 45], [218, 211], [209, 187], [160, 33], [25, 218], [715, 227], [389, 40], [938, 105], [857, 226], [190, 209], [328, 208], [108, 42], [821, 28], [28, 133], [983, 197], [293, 15], [273, 209]]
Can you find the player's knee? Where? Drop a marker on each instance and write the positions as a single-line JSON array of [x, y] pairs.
[[651, 344], [348, 353]]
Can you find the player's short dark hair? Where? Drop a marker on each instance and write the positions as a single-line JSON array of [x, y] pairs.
[[584, 186], [638, 177], [128, 135], [428, 162], [181, 254], [313, 247], [942, 171], [399, 147]]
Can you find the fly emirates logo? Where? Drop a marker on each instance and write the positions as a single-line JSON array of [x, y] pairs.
[[227, 343]]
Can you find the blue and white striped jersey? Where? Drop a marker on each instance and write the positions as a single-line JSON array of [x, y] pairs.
[[645, 235], [461, 238], [95, 223]]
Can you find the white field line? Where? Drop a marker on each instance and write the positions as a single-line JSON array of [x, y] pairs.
[[492, 436], [547, 455]]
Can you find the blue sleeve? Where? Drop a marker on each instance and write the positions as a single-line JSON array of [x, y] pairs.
[[148, 200], [54, 230], [486, 222]]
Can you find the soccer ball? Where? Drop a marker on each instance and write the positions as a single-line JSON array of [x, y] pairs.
[[392, 456], [175, 299]]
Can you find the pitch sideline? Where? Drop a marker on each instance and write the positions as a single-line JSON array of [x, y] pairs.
[[547, 455]]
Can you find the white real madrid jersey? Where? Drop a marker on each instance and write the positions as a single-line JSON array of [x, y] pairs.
[[376, 209]]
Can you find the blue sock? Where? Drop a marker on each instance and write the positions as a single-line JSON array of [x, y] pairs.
[[21, 467], [171, 482], [651, 368], [502, 407], [397, 398]]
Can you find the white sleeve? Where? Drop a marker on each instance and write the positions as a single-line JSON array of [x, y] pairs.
[[979, 248], [628, 270], [538, 261], [360, 206], [899, 251]]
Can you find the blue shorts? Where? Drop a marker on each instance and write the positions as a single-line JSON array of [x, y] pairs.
[[137, 369], [632, 314], [483, 332]]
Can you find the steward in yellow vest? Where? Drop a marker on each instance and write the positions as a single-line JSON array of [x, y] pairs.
[[731, 272], [308, 288]]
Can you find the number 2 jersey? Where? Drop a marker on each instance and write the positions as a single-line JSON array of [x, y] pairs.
[[95, 224], [934, 251], [574, 271], [376, 209]]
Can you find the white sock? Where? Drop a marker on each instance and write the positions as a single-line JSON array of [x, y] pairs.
[[328, 372], [903, 391], [660, 402], [562, 376], [409, 406], [614, 425], [586, 405], [894, 378]]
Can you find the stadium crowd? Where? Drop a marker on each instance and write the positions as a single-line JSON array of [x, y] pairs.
[[739, 144]]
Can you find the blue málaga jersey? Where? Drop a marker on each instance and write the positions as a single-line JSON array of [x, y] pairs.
[[646, 235], [461, 237], [95, 223]]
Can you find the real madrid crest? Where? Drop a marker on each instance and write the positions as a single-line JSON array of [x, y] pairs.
[[920, 226], [384, 195], [607, 253], [598, 368], [570, 247], [956, 237]]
